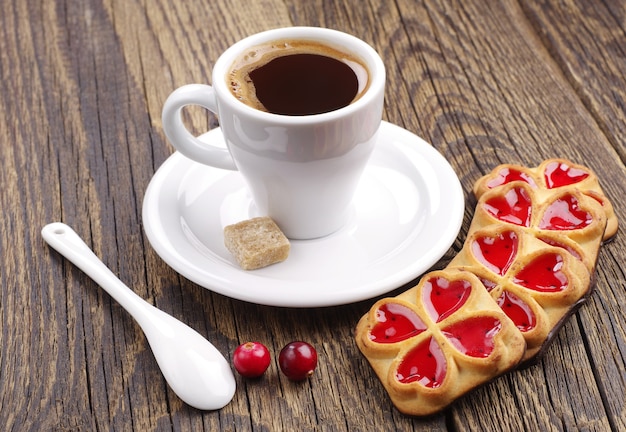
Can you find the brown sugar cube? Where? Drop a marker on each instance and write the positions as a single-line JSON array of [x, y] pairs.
[[256, 243]]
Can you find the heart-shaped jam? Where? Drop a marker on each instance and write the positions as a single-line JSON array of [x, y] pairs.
[[425, 364], [496, 253], [442, 297], [513, 207], [394, 323], [520, 313], [565, 214], [559, 174], [555, 243], [544, 273], [474, 336], [596, 196], [508, 175]]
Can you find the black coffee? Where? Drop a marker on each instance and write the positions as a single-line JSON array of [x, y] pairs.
[[297, 78]]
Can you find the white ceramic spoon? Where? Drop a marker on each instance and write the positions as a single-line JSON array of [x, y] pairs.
[[196, 371]]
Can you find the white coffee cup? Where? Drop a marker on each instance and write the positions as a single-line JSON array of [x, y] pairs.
[[302, 170]]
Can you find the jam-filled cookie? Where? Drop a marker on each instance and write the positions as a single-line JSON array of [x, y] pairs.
[[536, 284], [558, 204], [552, 176], [526, 265], [438, 340]]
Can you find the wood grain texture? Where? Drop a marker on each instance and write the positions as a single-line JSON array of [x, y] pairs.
[[82, 84]]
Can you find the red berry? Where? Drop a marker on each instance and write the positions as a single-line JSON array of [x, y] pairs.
[[251, 359], [297, 360]]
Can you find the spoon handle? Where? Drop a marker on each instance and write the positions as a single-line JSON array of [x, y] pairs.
[[192, 366], [69, 244]]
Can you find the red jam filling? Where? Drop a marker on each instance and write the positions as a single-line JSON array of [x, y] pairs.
[[442, 297], [555, 243], [474, 337], [520, 313], [596, 197], [496, 253], [425, 364], [508, 175], [559, 174], [513, 207], [544, 274], [395, 323], [565, 214]]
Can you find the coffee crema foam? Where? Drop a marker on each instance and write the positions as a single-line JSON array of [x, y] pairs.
[[241, 84]]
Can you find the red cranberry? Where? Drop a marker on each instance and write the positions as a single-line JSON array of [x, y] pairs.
[[251, 359], [298, 360]]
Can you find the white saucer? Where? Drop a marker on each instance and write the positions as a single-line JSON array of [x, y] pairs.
[[406, 213]]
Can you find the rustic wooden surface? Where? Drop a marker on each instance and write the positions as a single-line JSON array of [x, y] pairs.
[[82, 84]]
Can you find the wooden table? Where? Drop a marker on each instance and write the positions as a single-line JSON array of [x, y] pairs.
[[81, 91]]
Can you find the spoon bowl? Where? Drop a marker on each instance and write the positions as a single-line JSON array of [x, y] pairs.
[[195, 370]]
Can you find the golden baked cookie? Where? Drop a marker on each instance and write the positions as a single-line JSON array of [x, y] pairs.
[[536, 284], [438, 340], [527, 264], [558, 205], [552, 175]]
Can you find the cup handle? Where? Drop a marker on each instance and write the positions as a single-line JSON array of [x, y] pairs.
[[176, 132]]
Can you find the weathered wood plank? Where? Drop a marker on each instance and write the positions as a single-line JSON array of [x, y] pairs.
[[81, 89]]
